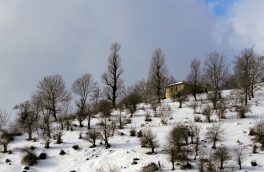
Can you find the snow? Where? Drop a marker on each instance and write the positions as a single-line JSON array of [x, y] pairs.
[[125, 148]]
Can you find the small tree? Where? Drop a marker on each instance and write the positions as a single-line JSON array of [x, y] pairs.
[[221, 107], [131, 100], [222, 155], [207, 112], [58, 136], [215, 133], [239, 155], [180, 96], [92, 135], [5, 139], [193, 131], [149, 139], [176, 145], [258, 132]]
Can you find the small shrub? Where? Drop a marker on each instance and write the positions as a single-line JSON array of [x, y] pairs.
[[7, 160], [128, 121], [254, 163], [151, 167], [197, 119], [32, 147], [148, 118], [26, 168], [62, 152], [76, 147], [133, 132], [186, 166], [42, 155], [29, 159], [251, 132], [139, 133]]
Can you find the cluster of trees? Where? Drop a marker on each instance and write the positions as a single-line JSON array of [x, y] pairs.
[[215, 73]]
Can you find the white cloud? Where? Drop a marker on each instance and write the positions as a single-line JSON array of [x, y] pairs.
[[243, 26]]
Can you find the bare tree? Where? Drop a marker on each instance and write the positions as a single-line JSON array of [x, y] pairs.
[[107, 130], [215, 73], [239, 155], [84, 88], [92, 135], [195, 76], [112, 78], [258, 132], [215, 133], [4, 117], [243, 67], [180, 96], [222, 155], [27, 118], [207, 112], [52, 91], [158, 74], [149, 139]]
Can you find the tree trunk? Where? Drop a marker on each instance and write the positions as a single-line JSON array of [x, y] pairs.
[[89, 122], [214, 145], [173, 168]]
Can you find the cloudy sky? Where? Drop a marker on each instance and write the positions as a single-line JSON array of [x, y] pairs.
[[72, 37]]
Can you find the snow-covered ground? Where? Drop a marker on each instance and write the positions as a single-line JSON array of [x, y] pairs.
[[125, 148]]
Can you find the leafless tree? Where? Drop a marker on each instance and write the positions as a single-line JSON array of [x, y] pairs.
[[207, 112], [158, 74], [258, 132], [195, 76], [4, 117], [243, 67], [92, 135], [180, 96], [221, 108], [215, 73], [84, 87], [52, 91], [215, 133], [27, 118], [107, 130], [222, 155], [44, 111], [239, 155], [193, 131], [112, 78], [149, 139]]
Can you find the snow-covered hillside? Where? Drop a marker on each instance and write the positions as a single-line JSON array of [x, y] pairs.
[[125, 148]]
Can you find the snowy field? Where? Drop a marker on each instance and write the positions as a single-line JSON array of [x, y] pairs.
[[125, 148]]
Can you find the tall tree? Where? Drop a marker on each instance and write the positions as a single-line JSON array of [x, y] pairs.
[[215, 72], [112, 78], [84, 87], [244, 68], [52, 92], [195, 76], [158, 74]]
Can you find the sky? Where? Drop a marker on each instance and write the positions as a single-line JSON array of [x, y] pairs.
[[40, 38]]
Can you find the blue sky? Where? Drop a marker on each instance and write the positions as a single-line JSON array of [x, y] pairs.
[[220, 7]]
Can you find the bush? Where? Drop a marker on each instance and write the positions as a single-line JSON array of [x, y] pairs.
[[139, 133], [42, 155], [133, 132], [29, 159], [62, 152], [151, 167], [197, 119], [76, 147], [148, 118], [32, 147], [128, 121], [254, 163], [186, 166]]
